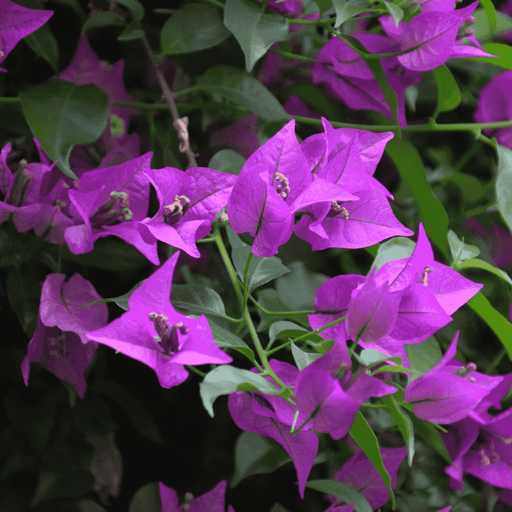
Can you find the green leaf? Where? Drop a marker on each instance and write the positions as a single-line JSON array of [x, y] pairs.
[[269, 300], [102, 19], [134, 6], [140, 417], [342, 491], [481, 27], [426, 431], [255, 454], [403, 422], [244, 90], [323, 5], [131, 32], [412, 171], [503, 183], [395, 10], [503, 54], [23, 293], [227, 160], [346, 9], [261, 270], [297, 289], [67, 483], [459, 250], [227, 379], [495, 320], [303, 358], [198, 298], [393, 369], [192, 28], [255, 32], [364, 436], [61, 115], [425, 355], [490, 12], [226, 339], [474, 263], [448, 92], [393, 249], [45, 45], [146, 499]]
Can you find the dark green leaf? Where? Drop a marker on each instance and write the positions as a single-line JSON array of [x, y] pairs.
[[122, 300], [227, 160], [412, 171], [364, 436], [102, 19], [197, 298], [146, 499], [342, 491], [425, 355], [495, 320], [45, 45], [403, 422], [448, 92], [393, 249], [23, 293], [481, 28], [323, 5], [503, 54], [395, 10], [134, 6], [130, 32], [431, 436], [303, 358], [481, 264], [490, 12], [68, 483], [192, 28], [244, 90], [503, 183], [255, 32], [226, 379], [269, 300], [61, 115], [346, 9], [225, 339], [255, 454], [138, 414]]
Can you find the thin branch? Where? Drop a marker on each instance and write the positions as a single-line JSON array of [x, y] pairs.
[[180, 123]]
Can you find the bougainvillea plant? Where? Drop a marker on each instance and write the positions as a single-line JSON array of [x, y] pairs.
[[255, 256]]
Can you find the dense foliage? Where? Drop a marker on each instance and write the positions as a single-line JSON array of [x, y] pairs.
[[254, 255]]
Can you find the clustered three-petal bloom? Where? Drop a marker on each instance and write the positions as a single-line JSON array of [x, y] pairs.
[[405, 301], [328, 179], [189, 201], [153, 332], [60, 341]]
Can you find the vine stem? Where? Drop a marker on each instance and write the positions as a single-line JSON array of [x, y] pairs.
[[245, 311], [180, 123]]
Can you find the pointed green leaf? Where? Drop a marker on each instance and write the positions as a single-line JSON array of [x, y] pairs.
[[192, 28], [403, 422], [412, 171], [131, 32], [255, 454], [134, 6], [146, 499], [227, 379], [396, 11], [45, 45], [503, 54], [474, 263], [448, 92], [102, 19], [481, 28], [227, 160], [303, 358], [490, 12], [393, 249], [366, 439], [342, 491], [244, 90], [459, 250], [197, 298], [424, 356], [346, 9], [503, 183], [323, 5], [226, 339], [62, 115], [255, 32], [494, 319], [431, 436]]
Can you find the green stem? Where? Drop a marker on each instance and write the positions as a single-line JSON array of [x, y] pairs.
[[279, 313], [293, 56], [245, 311], [195, 370]]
